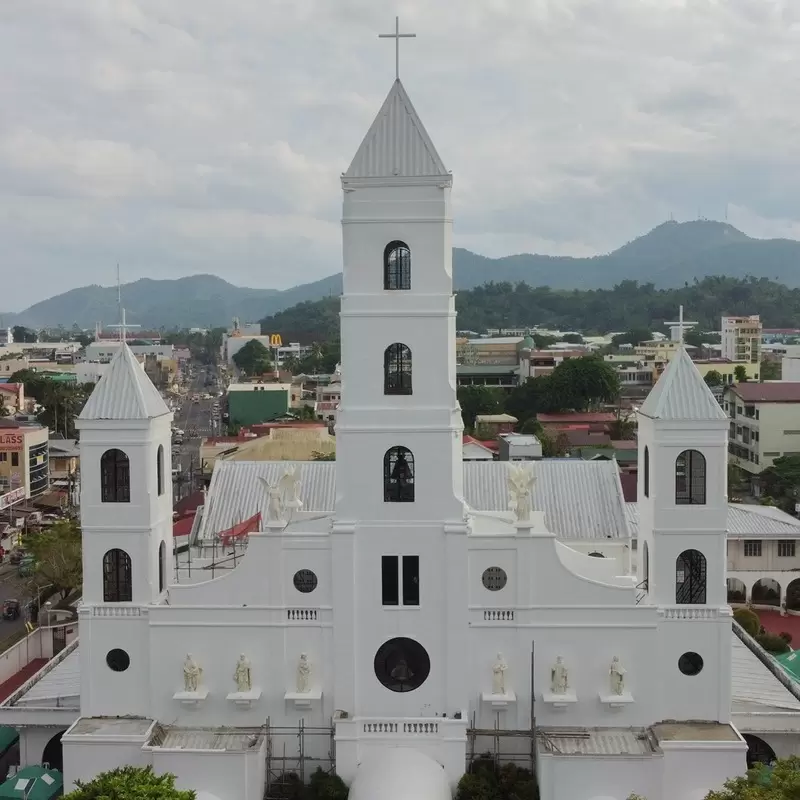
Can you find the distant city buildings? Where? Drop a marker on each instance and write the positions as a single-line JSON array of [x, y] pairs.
[[741, 338]]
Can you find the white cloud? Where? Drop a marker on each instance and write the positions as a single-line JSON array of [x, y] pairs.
[[194, 136]]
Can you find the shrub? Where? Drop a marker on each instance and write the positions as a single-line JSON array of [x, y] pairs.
[[485, 782], [125, 783], [736, 596], [787, 637], [772, 643], [748, 619]]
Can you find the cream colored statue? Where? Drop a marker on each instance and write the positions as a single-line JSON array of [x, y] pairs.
[[617, 676], [559, 677], [290, 487], [243, 675], [274, 500], [303, 674], [192, 673], [499, 670], [521, 481]]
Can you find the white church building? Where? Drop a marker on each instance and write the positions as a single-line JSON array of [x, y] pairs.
[[413, 606]]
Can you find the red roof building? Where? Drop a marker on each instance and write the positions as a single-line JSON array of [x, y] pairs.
[[778, 392]]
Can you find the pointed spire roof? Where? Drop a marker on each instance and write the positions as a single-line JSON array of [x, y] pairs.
[[124, 392], [682, 394], [397, 144]]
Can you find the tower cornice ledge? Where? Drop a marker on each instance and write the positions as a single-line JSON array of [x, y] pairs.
[[443, 181]]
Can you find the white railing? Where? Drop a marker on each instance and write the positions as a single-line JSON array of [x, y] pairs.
[[302, 614], [689, 612], [400, 727], [117, 611], [498, 615]]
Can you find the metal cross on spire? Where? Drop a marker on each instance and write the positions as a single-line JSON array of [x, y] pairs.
[[397, 36], [682, 325], [123, 326]]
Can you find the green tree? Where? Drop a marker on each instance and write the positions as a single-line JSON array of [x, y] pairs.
[[740, 373], [253, 359], [316, 455], [530, 398], [56, 551], [749, 620], [130, 783], [633, 337], [782, 481], [623, 428], [770, 370], [713, 378], [572, 338], [554, 445], [23, 334], [778, 782], [582, 383], [475, 400]]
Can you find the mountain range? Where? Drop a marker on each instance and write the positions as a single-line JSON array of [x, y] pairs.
[[670, 255]]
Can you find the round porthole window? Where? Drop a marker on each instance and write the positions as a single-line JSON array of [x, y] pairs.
[[494, 578], [305, 581], [402, 665], [690, 663], [118, 660]]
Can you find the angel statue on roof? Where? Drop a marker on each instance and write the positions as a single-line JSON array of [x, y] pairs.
[[521, 481], [274, 500], [290, 485]]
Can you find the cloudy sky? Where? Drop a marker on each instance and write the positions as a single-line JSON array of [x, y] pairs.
[[187, 136]]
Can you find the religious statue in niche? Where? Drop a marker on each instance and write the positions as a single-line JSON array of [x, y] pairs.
[[559, 677], [303, 675], [521, 481], [243, 674], [499, 670], [617, 676], [192, 673]]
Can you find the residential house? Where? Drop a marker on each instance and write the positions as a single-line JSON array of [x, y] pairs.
[[475, 450], [492, 425], [518, 447]]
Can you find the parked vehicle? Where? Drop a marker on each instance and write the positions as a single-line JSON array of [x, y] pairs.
[[11, 609]]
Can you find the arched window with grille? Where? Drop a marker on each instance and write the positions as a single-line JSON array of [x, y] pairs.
[[398, 475], [397, 369], [115, 477], [160, 469], [690, 577], [690, 479], [646, 471], [397, 266], [162, 566], [117, 583]]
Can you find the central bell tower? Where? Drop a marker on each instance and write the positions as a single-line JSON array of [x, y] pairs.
[[399, 427]]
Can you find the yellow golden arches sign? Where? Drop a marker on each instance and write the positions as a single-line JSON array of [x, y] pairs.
[[275, 340]]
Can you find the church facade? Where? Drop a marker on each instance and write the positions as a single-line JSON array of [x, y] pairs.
[[401, 617]]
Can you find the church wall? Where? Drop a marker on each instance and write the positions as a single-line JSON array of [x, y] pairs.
[[105, 692], [707, 695], [586, 778], [83, 760], [215, 638], [220, 773], [692, 769], [32, 742]]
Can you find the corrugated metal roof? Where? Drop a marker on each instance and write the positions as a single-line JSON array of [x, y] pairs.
[[208, 739], [682, 394], [580, 499], [63, 681], [753, 683], [743, 520], [124, 392], [397, 144], [596, 742]]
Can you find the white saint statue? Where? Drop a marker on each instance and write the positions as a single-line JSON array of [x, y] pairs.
[[192, 672], [617, 676], [559, 677], [274, 501], [499, 670], [520, 488], [290, 486], [243, 675], [303, 674]]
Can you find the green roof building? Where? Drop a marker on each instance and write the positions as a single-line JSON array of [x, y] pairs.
[[251, 403]]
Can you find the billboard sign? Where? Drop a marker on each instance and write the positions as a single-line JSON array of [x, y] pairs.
[[11, 441], [9, 498], [275, 340]]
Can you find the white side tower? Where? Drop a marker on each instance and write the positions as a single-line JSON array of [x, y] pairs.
[[126, 519], [683, 507]]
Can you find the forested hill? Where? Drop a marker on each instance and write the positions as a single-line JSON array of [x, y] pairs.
[[626, 306]]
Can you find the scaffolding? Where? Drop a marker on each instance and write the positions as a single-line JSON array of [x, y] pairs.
[[496, 745], [286, 769]]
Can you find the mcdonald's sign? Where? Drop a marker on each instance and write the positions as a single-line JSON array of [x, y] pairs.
[[275, 340]]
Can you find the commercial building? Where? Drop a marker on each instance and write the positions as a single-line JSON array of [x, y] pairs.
[[765, 423], [23, 458], [741, 338], [250, 403]]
